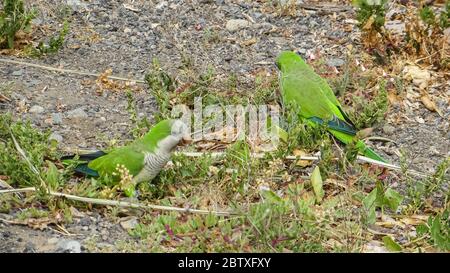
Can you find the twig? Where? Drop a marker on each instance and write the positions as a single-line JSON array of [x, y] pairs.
[[311, 158], [106, 202], [68, 71], [380, 139]]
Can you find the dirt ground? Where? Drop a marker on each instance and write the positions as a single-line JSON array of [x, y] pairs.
[[126, 35]]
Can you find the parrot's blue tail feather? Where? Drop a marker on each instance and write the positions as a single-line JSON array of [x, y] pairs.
[[84, 159], [85, 170], [337, 124]]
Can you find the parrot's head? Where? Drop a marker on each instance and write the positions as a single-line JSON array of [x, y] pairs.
[[167, 134], [288, 58], [179, 131]]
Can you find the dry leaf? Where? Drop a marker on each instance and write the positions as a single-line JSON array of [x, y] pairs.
[[302, 163], [249, 42], [419, 77], [429, 104]]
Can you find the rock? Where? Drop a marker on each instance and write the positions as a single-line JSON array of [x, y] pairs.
[[336, 62], [52, 241], [290, 2], [77, 113], [36, 109], [130, 223], [56, 136], [70, 246], [56, 118], [161, 5], [396, 26], [388, 129], [236, 24], [29, 248], [17, 72]]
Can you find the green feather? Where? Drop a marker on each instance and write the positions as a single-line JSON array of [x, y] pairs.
[[301, 86], [132, 156]]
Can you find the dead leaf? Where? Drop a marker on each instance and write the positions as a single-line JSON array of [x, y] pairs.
[[419, 77], [316, 181], [429, 103], [364, 133], [302, 163], [249, 42]]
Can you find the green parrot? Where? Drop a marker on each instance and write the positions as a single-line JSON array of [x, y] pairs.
[[143, 158], [305, 89]]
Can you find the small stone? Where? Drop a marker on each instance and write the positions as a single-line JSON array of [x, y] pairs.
[[70, 246], [236, 24], [161, 5], [53, 241], [127, 30], [56, 136], [130, 223], [56, 118], [85, 221], [388, 129], [17, 73], [77, 113], [36, 109], [336, 62]]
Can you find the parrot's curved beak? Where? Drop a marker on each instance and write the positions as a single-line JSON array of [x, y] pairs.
[[186, 139]]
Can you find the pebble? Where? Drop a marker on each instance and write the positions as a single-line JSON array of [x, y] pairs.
[[335, 62], [129, 224], [70, 246], [53, 241], [36, 109], [388, 129], [17, 72], [236, 24], [56, 118], [77, 113]]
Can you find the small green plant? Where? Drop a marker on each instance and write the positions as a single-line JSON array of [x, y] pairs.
[[366, 113], [54, 44], [420, 191], [160, 84], [370, 14], [13, 18], [380, 197], [140, 125], [437, 230], [33, 142], [32, 213]]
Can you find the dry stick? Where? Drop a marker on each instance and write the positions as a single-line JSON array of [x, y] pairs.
[[106, 202], [68, 71], [312, 158]]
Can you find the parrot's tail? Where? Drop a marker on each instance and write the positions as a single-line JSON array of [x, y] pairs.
[[83, 160], [371, 153]]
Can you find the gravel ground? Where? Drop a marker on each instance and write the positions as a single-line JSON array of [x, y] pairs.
[[239, 37]]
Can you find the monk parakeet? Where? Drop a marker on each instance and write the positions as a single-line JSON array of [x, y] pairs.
[[144, 158], [305, 89]]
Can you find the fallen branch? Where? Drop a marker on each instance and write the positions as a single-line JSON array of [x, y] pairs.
[[68, 71], [312, 158], [124, 204]]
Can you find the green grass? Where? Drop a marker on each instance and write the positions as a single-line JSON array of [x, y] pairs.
[[274, 199], [14, 17]]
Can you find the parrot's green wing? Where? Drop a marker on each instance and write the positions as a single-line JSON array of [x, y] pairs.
[[298, 88], [130, 157], [304, 88]]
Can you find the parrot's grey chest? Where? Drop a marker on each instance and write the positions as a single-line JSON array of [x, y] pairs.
[[153, 163]]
